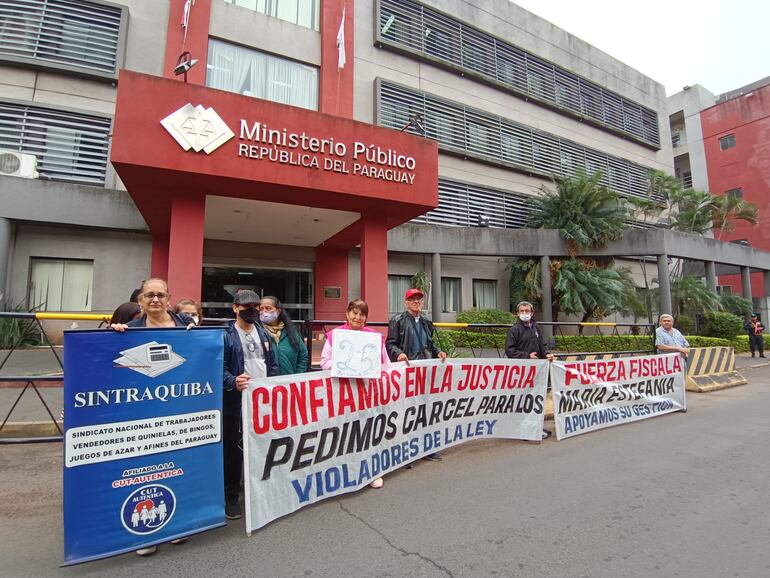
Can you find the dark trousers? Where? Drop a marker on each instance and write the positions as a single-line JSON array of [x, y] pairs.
[[757, 344], [233, 453]]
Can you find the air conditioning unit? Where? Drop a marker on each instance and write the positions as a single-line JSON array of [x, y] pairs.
[[16, 164]]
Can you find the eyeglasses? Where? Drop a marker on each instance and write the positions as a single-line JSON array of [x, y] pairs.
[[415, 300], [150, 296], [251, 345]]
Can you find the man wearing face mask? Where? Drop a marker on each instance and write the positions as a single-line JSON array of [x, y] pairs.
[[525, 340], [247, 355]]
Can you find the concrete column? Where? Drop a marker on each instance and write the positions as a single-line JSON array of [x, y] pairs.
[[711, 276], [766, 299], [435, 293], [545, 282], [374, 265], [5, 255], [746, 282], [185, 246], [330, 272], [664, 283]]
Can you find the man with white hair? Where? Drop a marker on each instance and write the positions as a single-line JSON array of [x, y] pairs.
[[668, 339]]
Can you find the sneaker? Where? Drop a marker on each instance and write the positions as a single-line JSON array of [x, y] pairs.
[[149, 551], [376, 483], [180, 540], [232, 510], [546, 433], [435, 457]]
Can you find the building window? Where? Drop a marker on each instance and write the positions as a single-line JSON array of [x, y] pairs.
[[302, 12], [459, 46], [398, 285], [736, 193], [62, 33], [69, 146], [485, 294], [474, 133], [727, 142], [253, 73], [724, 290], [450, 294], [60, 284]]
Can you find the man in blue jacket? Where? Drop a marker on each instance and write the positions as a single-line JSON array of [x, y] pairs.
[[247, 356]]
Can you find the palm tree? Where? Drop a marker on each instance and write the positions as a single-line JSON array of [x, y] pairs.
[[695, 212], [689, 295], [586, 213], [729, 208], [736, 305], [585, 287]]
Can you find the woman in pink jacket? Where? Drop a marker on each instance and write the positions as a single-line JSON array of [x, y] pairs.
[[356, 314]]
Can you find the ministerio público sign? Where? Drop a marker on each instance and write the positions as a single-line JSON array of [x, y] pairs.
[[202, 129]]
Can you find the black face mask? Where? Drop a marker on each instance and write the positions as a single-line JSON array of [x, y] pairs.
[[250, 315]]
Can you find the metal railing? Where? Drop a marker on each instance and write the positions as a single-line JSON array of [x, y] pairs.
[[457, 339]]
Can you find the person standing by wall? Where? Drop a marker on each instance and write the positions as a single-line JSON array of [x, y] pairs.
[[410, 337], [247, 355], [755, 329]]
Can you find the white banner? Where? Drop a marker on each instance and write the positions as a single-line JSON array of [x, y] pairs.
[[310, 436], [591, 395], [356, 354]]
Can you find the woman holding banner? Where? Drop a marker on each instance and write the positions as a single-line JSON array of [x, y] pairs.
[[155, 312], [356, 315]]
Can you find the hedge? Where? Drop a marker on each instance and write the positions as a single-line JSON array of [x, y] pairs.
[[447, 339]]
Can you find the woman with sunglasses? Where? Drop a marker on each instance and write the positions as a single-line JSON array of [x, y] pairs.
[[356, 314]]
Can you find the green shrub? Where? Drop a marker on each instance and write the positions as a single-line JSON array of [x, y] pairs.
[[685, 324], [721, 324], [15, 332], [486, 316], [741, 343], [700, 341], [447, 339], [599, 343]]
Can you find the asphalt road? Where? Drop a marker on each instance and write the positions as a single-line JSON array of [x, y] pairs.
[[678, 495]]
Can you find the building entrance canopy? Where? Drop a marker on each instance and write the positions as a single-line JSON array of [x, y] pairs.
[[175, 138]]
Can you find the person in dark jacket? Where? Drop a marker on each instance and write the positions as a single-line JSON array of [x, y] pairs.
[[755, 329], [290, 349], [248, 355], [525, 340], [410, 336]]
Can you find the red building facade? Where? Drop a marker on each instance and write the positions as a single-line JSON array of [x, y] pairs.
[[736, 137]]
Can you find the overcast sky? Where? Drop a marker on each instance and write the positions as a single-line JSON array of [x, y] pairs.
[[719, 44]]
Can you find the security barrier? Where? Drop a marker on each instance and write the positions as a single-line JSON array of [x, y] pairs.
[[712, 368]]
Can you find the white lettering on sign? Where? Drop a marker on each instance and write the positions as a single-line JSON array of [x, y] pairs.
[[265, 143]]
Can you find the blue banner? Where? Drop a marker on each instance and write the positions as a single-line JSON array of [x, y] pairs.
[[142, 440]]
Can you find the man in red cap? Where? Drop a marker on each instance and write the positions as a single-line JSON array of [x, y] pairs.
[[410, 336]]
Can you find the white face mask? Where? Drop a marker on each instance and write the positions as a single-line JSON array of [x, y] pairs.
[[525, 317]]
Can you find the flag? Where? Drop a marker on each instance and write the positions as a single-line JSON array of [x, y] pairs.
[[186, 14], [341, 42]]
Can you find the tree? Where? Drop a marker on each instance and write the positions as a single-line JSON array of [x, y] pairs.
[[586, 213], [736, 305], [695, 212], [729, 208], [585, 287], [689, 295]]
